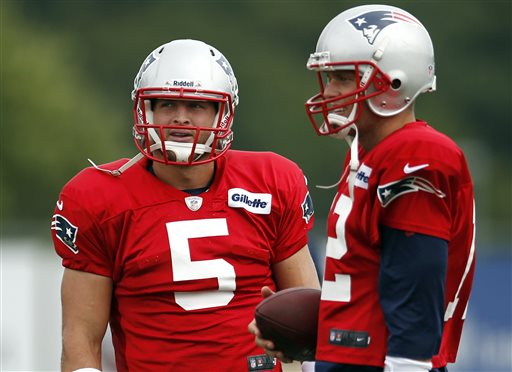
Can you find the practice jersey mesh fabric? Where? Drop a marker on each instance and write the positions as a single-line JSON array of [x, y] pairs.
[[415, 180], [187, 270]]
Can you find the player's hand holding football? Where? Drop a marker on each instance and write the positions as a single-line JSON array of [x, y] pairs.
[[265, 344]]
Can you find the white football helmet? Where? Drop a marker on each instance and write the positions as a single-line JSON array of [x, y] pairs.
[[391, 50], [184, 70]]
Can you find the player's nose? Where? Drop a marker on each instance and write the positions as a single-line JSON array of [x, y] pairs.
[[181, 116], [331, 90]]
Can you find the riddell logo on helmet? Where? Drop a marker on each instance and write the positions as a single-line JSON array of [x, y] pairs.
[[183, 83], [224, 123]]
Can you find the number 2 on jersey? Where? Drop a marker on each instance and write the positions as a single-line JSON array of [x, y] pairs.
[[184, 268], [339, 289]]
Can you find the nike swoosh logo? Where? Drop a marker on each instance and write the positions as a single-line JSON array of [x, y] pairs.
[[408, 169], [60, 205]]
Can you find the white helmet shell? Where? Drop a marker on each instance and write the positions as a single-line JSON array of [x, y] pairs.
[[384, 36], [187, 64], [188, 70]]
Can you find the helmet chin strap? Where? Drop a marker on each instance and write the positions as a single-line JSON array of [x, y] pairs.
[[353, 142], [124, 167], [341, 121], [181, 150], [344, 134]]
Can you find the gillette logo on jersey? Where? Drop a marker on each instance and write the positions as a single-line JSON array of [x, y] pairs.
[[371, 23], [252, 202], [362, 176]]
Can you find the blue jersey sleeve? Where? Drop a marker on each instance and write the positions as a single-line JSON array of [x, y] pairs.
[[411, 289]]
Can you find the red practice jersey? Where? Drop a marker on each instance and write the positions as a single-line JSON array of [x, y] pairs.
[[187, 270], [415, 180]]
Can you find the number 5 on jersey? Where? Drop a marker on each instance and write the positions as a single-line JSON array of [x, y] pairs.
[[184, 268]]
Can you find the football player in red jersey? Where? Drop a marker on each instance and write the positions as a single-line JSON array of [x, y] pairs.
[[172, 247], [400, 253]]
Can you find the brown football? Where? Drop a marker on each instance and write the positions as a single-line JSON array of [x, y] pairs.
[[289, 318]]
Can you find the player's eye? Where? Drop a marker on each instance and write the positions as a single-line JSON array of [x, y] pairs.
[[344, 76], [168, 104], [164, 104], [197, 105]]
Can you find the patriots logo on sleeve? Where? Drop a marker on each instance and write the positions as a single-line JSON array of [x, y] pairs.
[[371, 23], [389, 192], [307, 208], [65, 231]]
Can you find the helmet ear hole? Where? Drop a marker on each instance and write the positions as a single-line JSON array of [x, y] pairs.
[[396, 84]]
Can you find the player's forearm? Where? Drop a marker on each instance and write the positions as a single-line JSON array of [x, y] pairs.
[[297, 270], [80, 353], [86, 302]]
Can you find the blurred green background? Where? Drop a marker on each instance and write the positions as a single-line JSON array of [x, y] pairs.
[[67, 70]]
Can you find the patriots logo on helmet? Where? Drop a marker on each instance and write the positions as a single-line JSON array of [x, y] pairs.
[[389, 192], [65, 231], [372, 23], [145, 65], [224, 64]]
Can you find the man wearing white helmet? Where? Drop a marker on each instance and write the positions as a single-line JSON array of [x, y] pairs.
[[172, 247], [400, 252]]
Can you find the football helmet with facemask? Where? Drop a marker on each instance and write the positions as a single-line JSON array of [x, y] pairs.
[[392, 54], [184, 70]]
